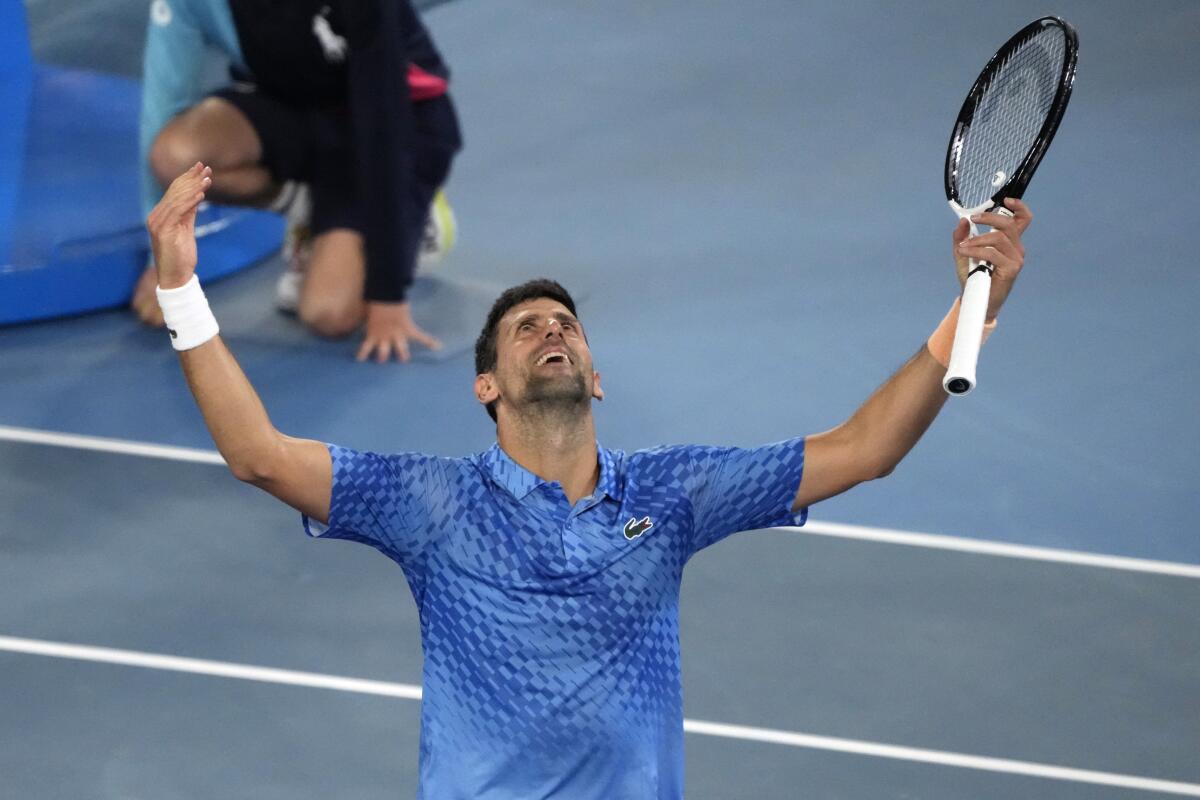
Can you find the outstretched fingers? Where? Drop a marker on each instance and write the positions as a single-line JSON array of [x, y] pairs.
[[391, 332], [182, 197], [187, 191], [172, 226], [421, 337]]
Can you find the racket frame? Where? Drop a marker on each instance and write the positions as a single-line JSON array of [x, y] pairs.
[[1017, 182]]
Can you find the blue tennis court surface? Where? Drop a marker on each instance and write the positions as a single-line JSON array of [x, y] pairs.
[[755, 252]]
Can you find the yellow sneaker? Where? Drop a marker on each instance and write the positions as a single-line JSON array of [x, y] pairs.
[[441, 231]]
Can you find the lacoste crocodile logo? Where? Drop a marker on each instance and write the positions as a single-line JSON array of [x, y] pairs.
[[635, 528]]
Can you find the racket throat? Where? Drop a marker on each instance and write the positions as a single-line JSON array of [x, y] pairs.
[[967, 213]]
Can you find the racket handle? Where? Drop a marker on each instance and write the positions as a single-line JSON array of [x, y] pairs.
[[960, 375]]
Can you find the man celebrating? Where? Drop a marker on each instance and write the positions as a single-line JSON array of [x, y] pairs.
[[547, 569]]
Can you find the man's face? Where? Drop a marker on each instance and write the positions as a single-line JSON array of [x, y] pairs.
[[542, 360]]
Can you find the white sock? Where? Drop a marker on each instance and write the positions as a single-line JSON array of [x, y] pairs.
[[287, 193]]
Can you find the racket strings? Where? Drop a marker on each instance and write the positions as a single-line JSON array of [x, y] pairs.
[[1009, 115]]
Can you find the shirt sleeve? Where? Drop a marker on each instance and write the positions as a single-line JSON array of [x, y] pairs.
[[740, 489], [385, 501], [172, 70], [382, 118]]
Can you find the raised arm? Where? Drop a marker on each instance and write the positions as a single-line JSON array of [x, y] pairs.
[[297, 471], [873, 441]]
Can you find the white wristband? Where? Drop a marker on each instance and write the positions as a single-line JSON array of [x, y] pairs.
[[185, 310]]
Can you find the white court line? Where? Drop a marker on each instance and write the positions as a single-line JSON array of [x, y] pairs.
[[406, 691], [199, 666], [812, 527], [993, 548], [1026, 768], [122, 446]]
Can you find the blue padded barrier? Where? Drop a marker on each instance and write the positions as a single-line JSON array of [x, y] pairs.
[[71, 234]]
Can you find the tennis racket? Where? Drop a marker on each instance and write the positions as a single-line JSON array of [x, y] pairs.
[[1003, 130]]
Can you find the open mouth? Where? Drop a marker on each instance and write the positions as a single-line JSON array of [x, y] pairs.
[[553, 357]]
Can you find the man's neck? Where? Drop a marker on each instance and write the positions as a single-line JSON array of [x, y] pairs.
[[563, 452]]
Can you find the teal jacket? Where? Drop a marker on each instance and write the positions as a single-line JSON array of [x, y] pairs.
[[181, 38]]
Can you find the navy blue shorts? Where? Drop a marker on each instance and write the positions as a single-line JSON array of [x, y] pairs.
[[315, 146]]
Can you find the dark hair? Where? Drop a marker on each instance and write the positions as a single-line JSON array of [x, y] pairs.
[[485, 345]]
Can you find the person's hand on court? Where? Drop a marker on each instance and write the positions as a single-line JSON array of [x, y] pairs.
[[144, 302], [1001, 246], [390, 328], [172, 226]]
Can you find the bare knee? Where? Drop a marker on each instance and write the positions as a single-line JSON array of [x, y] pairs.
[[213, 131], [331, 302], [332, 319], [173, 152]]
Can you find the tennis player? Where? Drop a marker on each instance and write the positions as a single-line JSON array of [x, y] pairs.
[[338, 114], [547, 568]]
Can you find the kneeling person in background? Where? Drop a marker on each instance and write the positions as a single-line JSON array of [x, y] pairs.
[[337, 115]]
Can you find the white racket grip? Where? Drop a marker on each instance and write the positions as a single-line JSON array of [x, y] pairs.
[[960, 375]]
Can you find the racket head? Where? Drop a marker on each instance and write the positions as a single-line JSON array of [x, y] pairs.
[[1011, 115]]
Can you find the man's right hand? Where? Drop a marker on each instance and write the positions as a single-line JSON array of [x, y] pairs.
[[172, 226]]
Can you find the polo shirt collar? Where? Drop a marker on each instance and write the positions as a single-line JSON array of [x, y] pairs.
[[610, 482], [519, 482]]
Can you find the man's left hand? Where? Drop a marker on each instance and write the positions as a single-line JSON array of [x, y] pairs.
[[1001, 246], [390, 328]]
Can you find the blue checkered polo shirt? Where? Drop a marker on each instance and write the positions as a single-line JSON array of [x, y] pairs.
[[551, 631]]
